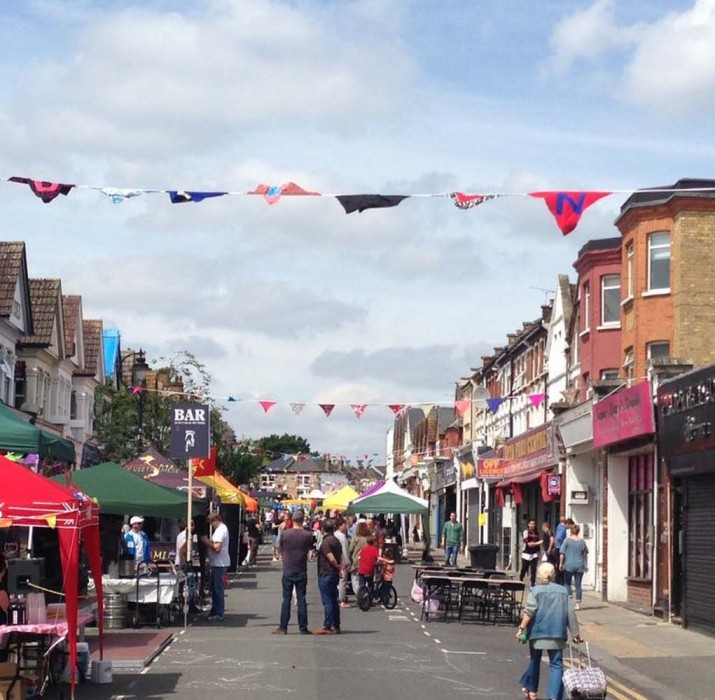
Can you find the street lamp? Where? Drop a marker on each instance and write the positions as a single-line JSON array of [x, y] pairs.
[[139, 371]]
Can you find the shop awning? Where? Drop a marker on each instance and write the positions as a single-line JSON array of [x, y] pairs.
[[119, 492], [513, 484], [18, 435], [225, 490]]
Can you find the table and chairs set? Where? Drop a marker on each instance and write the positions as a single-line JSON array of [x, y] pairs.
[[469, 595]]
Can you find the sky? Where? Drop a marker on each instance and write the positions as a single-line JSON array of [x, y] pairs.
[[298, 302]]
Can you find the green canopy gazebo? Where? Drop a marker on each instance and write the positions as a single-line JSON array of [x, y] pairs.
[[120, 492], [19, 435]]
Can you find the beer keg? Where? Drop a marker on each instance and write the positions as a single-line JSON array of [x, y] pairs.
[[115, 611]]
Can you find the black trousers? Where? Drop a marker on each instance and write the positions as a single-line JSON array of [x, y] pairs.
[[529, 565]]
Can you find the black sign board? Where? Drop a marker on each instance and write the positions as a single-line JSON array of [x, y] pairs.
[[190, 431]]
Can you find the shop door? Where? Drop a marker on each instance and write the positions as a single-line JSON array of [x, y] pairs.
[[473, 519], [699, 557]]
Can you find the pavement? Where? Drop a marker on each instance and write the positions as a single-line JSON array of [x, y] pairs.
[[393, 654]]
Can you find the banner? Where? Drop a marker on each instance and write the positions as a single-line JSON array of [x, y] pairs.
[[190, 431]]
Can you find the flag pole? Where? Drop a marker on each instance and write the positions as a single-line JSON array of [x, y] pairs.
[[189, 541]]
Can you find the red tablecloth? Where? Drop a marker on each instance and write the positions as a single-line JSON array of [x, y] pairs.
[[58, 629]]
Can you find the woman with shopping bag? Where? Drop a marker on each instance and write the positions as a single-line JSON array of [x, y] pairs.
[[548, 618]]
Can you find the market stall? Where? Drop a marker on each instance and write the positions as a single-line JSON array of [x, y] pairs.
[[340, 500], [30, 500]]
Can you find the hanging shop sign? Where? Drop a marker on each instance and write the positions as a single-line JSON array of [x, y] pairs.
[[190, 431], [530, 452], [625, 415]]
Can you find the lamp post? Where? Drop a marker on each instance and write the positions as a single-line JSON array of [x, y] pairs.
[[139, 372]]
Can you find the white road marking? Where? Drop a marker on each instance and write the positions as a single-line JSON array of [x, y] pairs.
[[472, 653], [436, 641], [427, 634], [399, 617]]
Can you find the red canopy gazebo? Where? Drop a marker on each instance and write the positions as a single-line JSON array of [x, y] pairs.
[[28, 499]]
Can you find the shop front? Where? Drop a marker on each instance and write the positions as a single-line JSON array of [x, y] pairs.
[[443, 475], [687, 447], [470, 496], [524, 484], [624, 427], [582, 483]]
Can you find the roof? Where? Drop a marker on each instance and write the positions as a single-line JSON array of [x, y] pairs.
[[600, 244], [12, 256], [301, 465], [445, 418], [649, 197], [71, 304], [43, 299], [92, 331]]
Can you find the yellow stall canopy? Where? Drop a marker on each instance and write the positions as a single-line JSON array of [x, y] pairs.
[[340, 499], [225, 490]]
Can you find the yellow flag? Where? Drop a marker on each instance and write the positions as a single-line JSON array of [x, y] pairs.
[[482, 519], [51, 520]]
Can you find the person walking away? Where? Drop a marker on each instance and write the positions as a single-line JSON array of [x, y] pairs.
[[341, 528], [548, 617], [562, 531], [252, 529], [295, 543], [530, 554], [574, 556], [330, 571], [548, 542], [219, 561], [356, 545], [275, 530], [451, 540]]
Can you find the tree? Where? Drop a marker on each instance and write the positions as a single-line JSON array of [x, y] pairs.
[[277, 445]]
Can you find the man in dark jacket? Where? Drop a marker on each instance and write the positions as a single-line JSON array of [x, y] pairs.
[[330, 570]]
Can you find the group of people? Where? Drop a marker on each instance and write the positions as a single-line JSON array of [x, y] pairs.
[[344, 548], [554, 560], [565, 549]]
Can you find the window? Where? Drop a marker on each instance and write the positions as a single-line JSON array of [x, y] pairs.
[[628, 364], [659, 348], [609, 374], [629, 271], [640, 515], [586, 306], [659, 261], [610, 299], [73, 405]]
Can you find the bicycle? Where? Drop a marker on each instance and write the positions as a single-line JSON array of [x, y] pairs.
[[377, 591]]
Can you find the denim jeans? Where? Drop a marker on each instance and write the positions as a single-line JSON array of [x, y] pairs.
[[450, 554], [218, 601], [576, 577], [300, 581], [530, 677], [328, 587]]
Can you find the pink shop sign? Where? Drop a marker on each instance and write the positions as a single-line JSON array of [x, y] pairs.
[[624, 415]]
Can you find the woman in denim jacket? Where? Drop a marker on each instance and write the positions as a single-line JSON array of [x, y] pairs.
[[548, 617]]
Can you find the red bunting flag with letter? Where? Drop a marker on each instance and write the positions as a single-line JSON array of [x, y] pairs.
[[567, 207]]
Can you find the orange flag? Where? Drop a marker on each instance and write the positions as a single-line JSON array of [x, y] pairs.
[[205, 466]]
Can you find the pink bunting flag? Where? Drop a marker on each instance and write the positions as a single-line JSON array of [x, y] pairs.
[[297, 408], [536, 399], [359, 409], [469, 201], [327, 408], [567, 207], [272, 194], [137, 390], [267, 405], [396, 407], [462, 406]]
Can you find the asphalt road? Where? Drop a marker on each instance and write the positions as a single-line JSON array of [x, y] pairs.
[[383, 654]]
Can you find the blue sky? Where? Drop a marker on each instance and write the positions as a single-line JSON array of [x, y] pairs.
[[299, 302]]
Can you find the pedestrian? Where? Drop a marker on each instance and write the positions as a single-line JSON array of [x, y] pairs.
[[219, 560], [356, 544], [330, 571], [137, 542], [530, 554], [341, 528], [574, 557], [295, 543], [548, 542], [451, 540], [369, 558], [253, 530], [276, 523], [562, 531], [548, 617]]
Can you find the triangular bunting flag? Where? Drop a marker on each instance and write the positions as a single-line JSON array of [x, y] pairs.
[[118, 195], [327, 408], [536, 399], [46, 191], [494, 404], [567, 207], [469, 201], [462, 406], [137, 390], [230, 398], [273, 194], [396, 407], [51, 521], [267, 405], [427, 409], [297, 408], [361, 202], [179, 197], [359, 409]]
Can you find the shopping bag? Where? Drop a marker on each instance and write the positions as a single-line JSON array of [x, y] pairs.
[[584, 680], [416, 593]]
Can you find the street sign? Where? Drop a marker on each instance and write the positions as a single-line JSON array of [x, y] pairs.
[[190, 431]]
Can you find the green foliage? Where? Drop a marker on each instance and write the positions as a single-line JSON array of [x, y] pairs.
[[277, 445]]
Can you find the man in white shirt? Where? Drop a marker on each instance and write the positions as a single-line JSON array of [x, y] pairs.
[[219, 561]]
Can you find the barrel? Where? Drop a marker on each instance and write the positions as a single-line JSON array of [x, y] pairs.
[[115, 611]]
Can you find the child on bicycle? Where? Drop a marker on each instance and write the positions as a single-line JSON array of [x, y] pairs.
[[369, 559]]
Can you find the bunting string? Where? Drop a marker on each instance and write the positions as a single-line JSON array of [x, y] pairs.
[[566, 206], [460, 406]]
